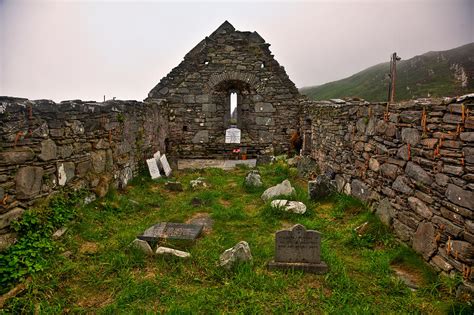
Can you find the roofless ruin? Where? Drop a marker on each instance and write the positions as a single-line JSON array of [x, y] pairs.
[[198, 92]]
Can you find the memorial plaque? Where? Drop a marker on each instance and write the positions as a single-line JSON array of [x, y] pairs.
[[165, 165], [153, 168], [299, 249], [232, 135], [172, 231], [157, 156]]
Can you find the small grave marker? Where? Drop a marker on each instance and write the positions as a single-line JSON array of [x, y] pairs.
[[172, 231], [298, 249], [232, 135], [165, 165], [153, 168]]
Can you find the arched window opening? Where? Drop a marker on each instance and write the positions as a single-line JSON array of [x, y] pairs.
[[233, 107]]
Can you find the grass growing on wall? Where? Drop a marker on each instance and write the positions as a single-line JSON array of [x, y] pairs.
[[101, 274]]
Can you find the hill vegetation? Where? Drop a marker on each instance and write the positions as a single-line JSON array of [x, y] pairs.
[[433, 74]]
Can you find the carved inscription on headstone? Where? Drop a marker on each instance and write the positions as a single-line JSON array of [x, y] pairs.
[[153, 168], [165, 165], [232, 135], [299, 249], [298, 245]]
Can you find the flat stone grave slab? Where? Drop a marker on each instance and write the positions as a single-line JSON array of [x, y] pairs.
[[298, 249], [171, 231]]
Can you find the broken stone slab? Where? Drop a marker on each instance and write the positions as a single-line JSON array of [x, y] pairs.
[[142, 245], [198, 183], [161, 250], [232, 256], [282, 189], [253, 179], [385, 212], [289, 206], [320, 188], [60, 232], [174, 186]]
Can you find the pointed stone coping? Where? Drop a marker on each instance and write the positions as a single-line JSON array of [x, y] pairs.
[[207, 163], [171, 231]]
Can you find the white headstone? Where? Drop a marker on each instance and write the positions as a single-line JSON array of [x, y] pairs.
[[157, 156], [153, 168], [232, 135], [165, 165]]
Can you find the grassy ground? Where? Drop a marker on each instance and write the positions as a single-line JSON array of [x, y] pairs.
[[103, 275]]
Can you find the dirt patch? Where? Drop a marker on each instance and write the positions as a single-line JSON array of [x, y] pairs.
[[410, 277], [203, 218], [225, 203], [97, 300], [89, 248]]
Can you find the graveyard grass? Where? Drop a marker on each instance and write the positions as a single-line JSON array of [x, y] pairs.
[[104, 275]]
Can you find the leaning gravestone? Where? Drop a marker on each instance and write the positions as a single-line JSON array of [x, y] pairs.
[[165, 165], [298, 249], [232, 135], [157, 156], [153, 168]]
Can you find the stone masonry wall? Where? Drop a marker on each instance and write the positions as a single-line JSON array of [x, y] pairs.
[[46, 146], [198, 91], [416, 165]]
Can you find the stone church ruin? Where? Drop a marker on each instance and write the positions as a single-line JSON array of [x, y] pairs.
[[413, 161], [197, 97]]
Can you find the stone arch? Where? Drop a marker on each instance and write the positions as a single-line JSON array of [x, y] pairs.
[[218, 78]]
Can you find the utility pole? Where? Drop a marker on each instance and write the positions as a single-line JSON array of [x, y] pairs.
[[393, 77]]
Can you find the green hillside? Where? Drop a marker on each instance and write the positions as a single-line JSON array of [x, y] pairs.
[[440, 73]]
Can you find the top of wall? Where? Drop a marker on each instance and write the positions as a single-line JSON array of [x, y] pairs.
[[225, 52]]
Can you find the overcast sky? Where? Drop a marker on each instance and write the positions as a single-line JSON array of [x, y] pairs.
[[86, 49]]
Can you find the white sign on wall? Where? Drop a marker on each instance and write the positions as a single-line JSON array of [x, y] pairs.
[[153, 168], [232, 135]]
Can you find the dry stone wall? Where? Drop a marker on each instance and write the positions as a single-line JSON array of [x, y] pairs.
[[198, 91], [46, 146], [414, 163]]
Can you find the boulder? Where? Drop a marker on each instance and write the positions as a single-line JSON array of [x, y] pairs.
[[16, 156], [161, 250], [385, 211], [320, 188], [6, 240], [239, 253], [253, 179], [142, 245], [282, 189], [289, 206]]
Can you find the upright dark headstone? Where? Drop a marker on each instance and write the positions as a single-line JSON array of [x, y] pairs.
[[298, 249]]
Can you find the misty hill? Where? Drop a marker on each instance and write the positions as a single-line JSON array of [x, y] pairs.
[[436, 73]]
